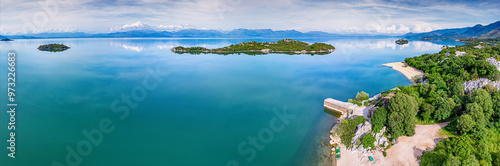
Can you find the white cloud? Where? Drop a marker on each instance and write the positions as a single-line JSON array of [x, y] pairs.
[[142, 26]]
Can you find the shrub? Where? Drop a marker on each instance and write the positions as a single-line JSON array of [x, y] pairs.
[[379, 119], [368, 141], [348, 127], [490, 88]]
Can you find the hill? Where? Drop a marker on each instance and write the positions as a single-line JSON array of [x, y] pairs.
[[467, 32]]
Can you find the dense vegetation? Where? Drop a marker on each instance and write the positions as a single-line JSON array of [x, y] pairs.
[[252, 47], [53, 47], [474, 116], [348, 127]]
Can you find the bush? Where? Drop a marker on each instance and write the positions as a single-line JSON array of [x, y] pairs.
[[368, 141], [361, 96], [490, 88], [379, 119], [347, 129]]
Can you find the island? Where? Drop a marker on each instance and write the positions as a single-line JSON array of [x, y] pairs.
[[285, 46], [402, 41], [53, 47], [6, 39]]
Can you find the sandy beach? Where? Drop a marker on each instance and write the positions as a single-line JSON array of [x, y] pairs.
[[408, 71], [403, 153]]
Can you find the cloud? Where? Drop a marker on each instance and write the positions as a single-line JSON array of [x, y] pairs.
[[359, 16], [141, 26]]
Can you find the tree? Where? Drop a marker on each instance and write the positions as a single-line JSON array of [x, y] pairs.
[[440, 83], [471, 161], [368, 141], [427, 111], [457, 89], [379, 119], [361, 96], [402, 111], [445, 107], [490, 88], [452, 161], [476, 112], [460, 146], [483, 98], [466, 124]]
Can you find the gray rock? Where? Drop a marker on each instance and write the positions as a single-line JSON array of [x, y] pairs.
[[469, 86]]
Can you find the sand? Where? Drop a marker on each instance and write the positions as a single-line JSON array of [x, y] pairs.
[[403, 153], [408, 71]]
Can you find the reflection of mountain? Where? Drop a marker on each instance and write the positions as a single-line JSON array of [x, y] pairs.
[[139, 45], [343, 44]]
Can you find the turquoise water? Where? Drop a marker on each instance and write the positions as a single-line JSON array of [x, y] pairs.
[[193, 109]]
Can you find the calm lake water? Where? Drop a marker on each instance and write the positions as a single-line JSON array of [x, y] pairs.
[[203, 109]]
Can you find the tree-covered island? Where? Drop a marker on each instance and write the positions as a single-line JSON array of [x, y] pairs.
[[286, 46], [53, 47], [402, 41]]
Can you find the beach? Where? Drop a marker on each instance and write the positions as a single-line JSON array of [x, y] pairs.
[[408, 71], [403, 153]]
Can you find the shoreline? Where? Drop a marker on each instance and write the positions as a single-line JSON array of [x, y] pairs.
[[408, 71]]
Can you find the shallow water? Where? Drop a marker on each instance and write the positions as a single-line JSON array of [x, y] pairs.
[[202, 110]]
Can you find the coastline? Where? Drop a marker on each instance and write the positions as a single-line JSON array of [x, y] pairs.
[[408, 71], [405, 151]]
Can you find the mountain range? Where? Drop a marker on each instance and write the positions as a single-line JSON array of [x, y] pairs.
[[478, 31], [185, 33]]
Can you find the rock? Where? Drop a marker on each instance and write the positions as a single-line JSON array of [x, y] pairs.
[[361, 130], [469, 86], [386, 144]]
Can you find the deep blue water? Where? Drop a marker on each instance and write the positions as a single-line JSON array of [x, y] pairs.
[[193, 109]]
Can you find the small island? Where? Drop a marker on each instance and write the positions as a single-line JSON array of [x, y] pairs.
[[6, 39], [402, 41], [53, 47], [286, 46]]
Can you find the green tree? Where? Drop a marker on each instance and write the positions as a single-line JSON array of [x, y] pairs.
[[466, 124], [483, 98], [490, 88], [476, 112], [440, 83], [379, 119], [457, 89], [470, 161], [460, 146], [362, 96], [368, 141], [402, 111], [445, 107], [427, 111], [452, 161]]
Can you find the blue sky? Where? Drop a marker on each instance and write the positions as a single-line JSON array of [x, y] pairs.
[[337, 16]]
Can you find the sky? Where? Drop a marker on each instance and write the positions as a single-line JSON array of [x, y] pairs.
[[334, 16]]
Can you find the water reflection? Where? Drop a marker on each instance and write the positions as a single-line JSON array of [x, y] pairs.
[[346, 44]]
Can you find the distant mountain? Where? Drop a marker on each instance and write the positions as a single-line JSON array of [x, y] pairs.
[[492, 34], [186, 33], [467, 32]]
